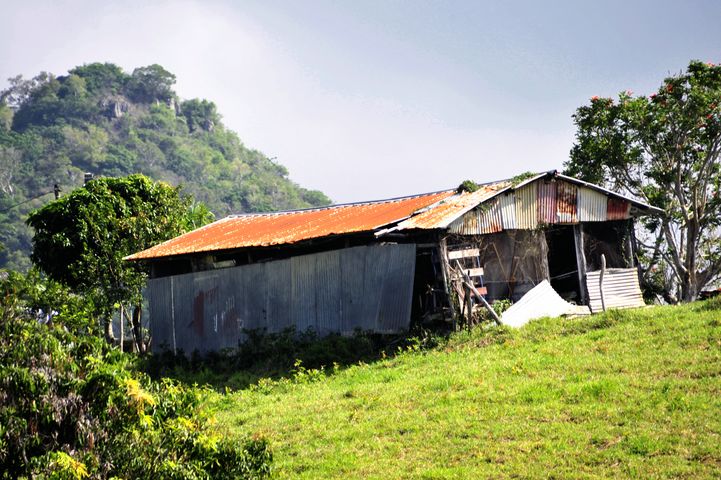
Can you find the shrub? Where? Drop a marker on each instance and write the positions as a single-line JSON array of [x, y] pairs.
[[73, 407]]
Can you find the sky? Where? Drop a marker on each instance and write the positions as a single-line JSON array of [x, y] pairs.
[[377, 99]]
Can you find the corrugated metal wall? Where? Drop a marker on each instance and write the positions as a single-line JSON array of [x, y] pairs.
[[541, 203], [526, 207], [620, 289], [592, 205], [367, 288], [567, 203]]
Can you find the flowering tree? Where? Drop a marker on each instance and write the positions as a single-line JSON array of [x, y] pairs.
[[663, 149]]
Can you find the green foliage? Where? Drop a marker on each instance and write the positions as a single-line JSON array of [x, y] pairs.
[[625, 394], [71, 408], [105, 121], [522, 177], [276, 355], [48, 301], [80, 240], [467, 186], [150, 84], [664, 150]]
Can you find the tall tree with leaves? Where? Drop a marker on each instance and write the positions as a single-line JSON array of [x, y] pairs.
[[80, 240], [665, 150]]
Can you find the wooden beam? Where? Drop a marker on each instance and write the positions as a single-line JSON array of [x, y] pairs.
[[474, 272], [469, 252]]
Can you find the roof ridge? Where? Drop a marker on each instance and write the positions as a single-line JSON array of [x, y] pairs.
[[337, 205]]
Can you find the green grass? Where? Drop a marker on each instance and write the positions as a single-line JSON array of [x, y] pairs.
[[625, 394]]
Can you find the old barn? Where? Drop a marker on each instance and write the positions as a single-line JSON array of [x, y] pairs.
[[380, 265]]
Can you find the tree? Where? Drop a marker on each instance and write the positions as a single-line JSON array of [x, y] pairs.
[[663, 149], [200, 114], [105, 78], [151, 83], [80, 240]]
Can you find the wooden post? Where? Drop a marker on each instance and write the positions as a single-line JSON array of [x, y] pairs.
[[445, 267], [580, 260], [600, 281], [467, 281], [468, 305]]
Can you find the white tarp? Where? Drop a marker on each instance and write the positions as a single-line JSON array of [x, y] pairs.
[[541, 301]]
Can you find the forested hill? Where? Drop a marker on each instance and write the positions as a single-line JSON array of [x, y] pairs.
[[108, 122]]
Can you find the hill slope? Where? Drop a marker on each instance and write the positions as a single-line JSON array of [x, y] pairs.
[[625, 394], [102, 120]]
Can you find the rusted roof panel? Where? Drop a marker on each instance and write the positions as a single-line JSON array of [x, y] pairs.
[[260, 230], [448, 210], [491, 208]]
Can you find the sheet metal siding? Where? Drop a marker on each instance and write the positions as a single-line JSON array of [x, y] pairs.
[[507, 204], [395, 304], [526, 210], [566, 202], [592, 205], [620, 286], [158, 297], [618, 209], [367, 288], [485, 219], [547, 205]]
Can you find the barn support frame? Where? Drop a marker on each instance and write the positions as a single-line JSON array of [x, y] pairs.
[[580, 261]]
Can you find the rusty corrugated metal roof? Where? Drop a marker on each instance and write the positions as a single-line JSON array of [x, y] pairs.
[[266, 229], [428, 211], [450, 208]]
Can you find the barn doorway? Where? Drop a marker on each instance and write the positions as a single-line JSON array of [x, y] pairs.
[[563, 262]]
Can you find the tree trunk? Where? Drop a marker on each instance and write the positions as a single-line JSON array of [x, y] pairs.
[[108, 329], [689, 289], [137, 331]]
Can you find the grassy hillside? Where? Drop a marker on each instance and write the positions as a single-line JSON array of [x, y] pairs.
[[625, 394]]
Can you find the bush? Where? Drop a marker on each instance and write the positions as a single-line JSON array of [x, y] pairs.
[[73, 407]]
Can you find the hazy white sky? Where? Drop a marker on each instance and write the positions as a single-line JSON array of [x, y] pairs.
[[374, 99]]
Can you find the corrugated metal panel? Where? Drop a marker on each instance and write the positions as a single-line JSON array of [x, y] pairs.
[[158, 295], [592, 205], [257, 230], [395, 303], [620, 287], [303, 292], [523, 209], [484, 219], [567, 202], [328, 299], [446, 212], [640, 205], [541, 301], [547, 209], [354, 305], [526, 210], [367, 288], [489, 217], [507, 203], [618, 209]]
